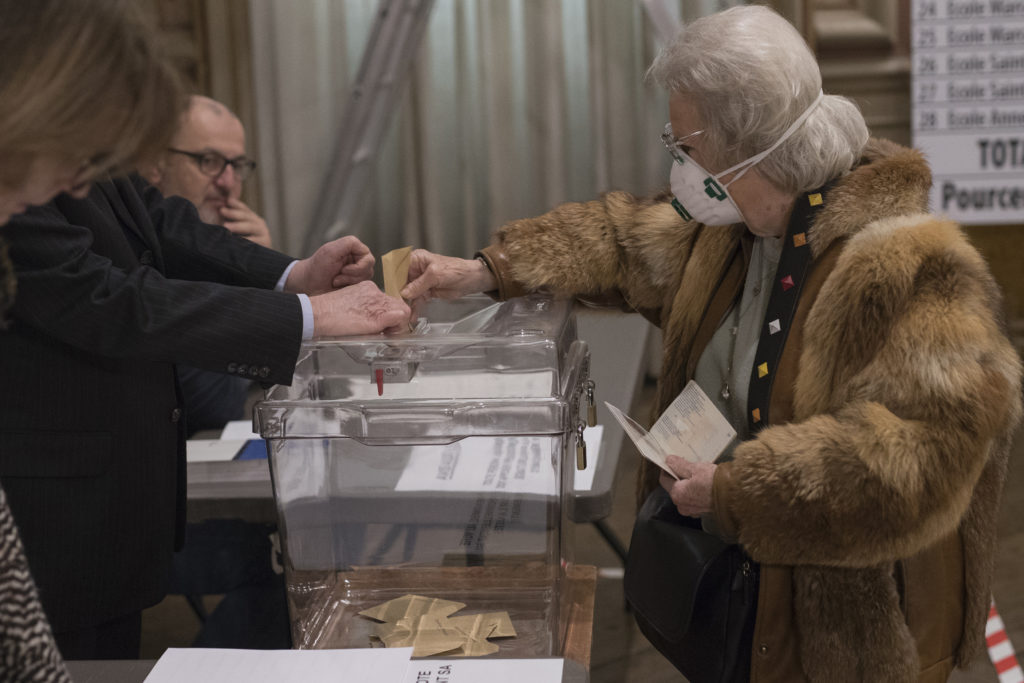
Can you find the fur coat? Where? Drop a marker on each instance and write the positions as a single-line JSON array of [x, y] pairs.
[[871, 499]]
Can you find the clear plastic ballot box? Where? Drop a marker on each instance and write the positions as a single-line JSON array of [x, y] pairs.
[[432, 463]]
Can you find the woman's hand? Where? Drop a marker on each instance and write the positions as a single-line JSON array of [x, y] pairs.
[[692, 491], [445, 277]]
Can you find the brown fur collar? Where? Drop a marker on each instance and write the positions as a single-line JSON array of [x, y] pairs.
[[866, 193]]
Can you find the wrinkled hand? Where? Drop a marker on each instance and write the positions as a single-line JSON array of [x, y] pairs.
[[340, 263], [692, 491], [358, 309], [244, 222], [445, 277]]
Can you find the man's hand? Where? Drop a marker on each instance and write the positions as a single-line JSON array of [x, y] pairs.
[[692, 491], [446, 277], [358, 309], [244, 222], [340, 263]]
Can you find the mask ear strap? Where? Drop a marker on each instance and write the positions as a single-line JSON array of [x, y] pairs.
[[754, 160]]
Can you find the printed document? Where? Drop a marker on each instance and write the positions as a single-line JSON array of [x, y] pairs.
[[369, 665], [691, 428], [509, 464]]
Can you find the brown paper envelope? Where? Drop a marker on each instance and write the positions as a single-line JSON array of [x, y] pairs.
[[395, 267], [435, 635], [476, 644], [411, 606], [500, 624], [388, 632]]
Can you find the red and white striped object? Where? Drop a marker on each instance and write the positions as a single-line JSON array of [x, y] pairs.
[[1000, 649]]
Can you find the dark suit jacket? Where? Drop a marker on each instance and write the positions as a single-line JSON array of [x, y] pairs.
[[212, 399], [112, 290]]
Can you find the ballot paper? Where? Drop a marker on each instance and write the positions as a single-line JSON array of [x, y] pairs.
[[691, 428], [427, 625], [395, 268]]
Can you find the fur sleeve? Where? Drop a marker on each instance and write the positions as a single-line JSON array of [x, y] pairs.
[[616, 244], [906, 384]]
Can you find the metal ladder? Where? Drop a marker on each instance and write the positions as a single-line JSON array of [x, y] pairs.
[[385, 68]]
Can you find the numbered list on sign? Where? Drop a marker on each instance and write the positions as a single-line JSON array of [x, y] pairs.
[[968, 105]]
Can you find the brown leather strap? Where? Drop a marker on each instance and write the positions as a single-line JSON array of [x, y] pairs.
[[730, 286]]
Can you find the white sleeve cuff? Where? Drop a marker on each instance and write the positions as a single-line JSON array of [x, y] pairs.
[[307, 317], [279, 287]]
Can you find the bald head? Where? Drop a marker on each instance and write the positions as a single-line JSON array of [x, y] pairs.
[[207, 126]]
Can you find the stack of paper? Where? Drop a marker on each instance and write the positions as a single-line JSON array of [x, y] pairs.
[[371, 665]]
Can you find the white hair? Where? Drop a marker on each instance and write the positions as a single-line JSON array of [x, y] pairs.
[[750, 75]]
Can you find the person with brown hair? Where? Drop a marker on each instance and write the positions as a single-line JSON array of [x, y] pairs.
[[116, 284], [57, 136], [84, 91]]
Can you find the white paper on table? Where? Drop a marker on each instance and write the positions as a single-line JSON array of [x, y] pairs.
[[691, 428], [198, 665], [212, 450], [506, 464], [239, 429], [492, 671]]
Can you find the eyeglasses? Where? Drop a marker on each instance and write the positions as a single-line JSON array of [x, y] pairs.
[[675, 145], [213, 164]]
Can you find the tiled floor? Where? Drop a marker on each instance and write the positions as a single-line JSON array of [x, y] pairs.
[[620, 654]]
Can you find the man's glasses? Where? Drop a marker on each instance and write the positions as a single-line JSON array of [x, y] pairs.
[[213, 164], [675, 145]]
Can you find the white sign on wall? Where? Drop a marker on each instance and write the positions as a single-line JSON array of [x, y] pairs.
[[968, 105]]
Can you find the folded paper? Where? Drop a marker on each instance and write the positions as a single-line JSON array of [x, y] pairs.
[[426, 625], [395, 267], [691, 428]]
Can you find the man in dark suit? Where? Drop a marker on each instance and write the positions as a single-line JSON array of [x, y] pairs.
[[113, 290], [206, 163]]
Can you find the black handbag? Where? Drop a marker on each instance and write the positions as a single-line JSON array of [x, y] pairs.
[[694, 596]]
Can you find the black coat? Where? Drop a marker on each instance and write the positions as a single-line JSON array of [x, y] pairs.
[[112, 290]]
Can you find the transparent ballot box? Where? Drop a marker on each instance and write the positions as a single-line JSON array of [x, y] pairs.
[[432, 463]]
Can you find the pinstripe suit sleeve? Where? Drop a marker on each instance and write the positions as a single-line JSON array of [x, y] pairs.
[[71, 292], [193, 250]]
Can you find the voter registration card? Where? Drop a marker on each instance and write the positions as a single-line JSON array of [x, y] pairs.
[[691, 428]]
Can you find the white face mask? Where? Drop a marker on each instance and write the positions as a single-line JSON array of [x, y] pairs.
[[700, 195]]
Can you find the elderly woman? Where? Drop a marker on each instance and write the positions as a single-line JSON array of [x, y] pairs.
[[853, 341], [57, 136]]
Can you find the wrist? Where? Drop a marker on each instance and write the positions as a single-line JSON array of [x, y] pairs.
[[485, 276], [316, 307], [293, 283]]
